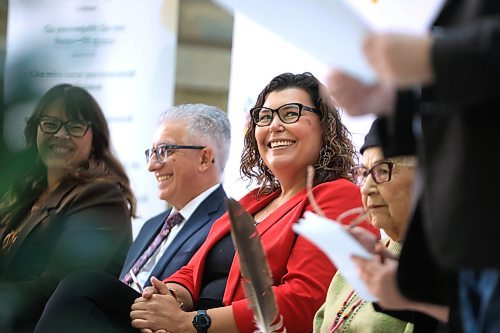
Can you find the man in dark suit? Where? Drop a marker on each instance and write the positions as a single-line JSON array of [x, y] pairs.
[[184, 244], [189, 152]]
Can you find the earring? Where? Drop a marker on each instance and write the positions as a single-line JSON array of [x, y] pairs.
[[324, 156]]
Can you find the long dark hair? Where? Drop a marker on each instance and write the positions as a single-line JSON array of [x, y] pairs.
[[337, 155], [77, 103]]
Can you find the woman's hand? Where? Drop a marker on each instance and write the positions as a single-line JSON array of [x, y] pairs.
[[370, 242], [380, 278], [364, 237], [157, 310]]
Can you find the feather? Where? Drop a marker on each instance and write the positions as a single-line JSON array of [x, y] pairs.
[[257, 278]]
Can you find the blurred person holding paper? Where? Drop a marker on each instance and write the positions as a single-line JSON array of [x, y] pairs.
[[386, 186], [441, 91]]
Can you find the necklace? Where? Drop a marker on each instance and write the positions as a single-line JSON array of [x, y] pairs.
[[11, 237], [9, 240], [341, 317], [263, 214], [271, 207]]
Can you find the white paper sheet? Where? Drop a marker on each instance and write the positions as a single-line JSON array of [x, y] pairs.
[[326, 29], [338, 245], [401, 16], [333, 31]]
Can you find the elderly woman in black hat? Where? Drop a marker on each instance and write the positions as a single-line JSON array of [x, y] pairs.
[[386, 186]]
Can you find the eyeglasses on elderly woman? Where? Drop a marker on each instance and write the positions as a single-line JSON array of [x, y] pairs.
[[288, 113], [381, 172]]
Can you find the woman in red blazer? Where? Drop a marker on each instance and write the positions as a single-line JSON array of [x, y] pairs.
[[293, 126]]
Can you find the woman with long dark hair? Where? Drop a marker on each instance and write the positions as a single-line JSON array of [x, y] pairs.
[[69, 209]]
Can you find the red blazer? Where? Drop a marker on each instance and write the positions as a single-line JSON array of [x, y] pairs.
[[301, 272]]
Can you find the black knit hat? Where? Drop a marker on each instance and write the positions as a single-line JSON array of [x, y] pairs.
[[372, 139]]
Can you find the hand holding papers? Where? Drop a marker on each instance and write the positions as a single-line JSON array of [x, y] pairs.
[[338, 245]]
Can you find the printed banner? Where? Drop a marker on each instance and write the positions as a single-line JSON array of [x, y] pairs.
[[122, 51]]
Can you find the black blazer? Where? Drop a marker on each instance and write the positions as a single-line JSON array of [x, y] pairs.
[[458, 122], [81, 226], [185, 243]]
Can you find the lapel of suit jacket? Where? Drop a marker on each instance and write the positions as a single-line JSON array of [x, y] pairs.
[[263, 227], [148, 235], [200, 217], [281, 211], [52, 204]]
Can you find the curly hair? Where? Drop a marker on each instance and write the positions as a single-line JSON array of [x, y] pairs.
[[337, 155], [102, 164]]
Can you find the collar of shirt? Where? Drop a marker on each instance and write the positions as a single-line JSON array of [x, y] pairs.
[[192, 205]]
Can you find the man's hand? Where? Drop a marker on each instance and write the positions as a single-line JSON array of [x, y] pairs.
[[157, 287], [357, 98], [158, 310]]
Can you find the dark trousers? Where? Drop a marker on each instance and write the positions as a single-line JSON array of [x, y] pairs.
[[89, 301]]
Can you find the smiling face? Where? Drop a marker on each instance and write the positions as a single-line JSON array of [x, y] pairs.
[[287, 149], [61, 151], [179, 175], [388, 202]]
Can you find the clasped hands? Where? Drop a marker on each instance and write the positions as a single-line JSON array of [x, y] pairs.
[[159, 310]]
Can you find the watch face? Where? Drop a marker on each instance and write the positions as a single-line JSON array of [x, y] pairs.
[[202, 321]]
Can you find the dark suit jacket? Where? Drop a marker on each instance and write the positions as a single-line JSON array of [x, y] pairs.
[[185, 243], [460, 133], [459, 123], [453, 223], [80, 226]]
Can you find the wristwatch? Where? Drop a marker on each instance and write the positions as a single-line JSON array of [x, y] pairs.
[[202, 321]]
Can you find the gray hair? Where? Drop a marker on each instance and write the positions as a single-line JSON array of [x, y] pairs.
[[206, 124], [407, 159]]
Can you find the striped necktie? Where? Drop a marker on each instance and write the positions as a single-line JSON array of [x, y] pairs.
[[170, 222]]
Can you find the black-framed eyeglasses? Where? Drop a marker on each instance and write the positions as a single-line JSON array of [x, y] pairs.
[[381, 172], [288, 113], [51, 125], [163, 151]]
